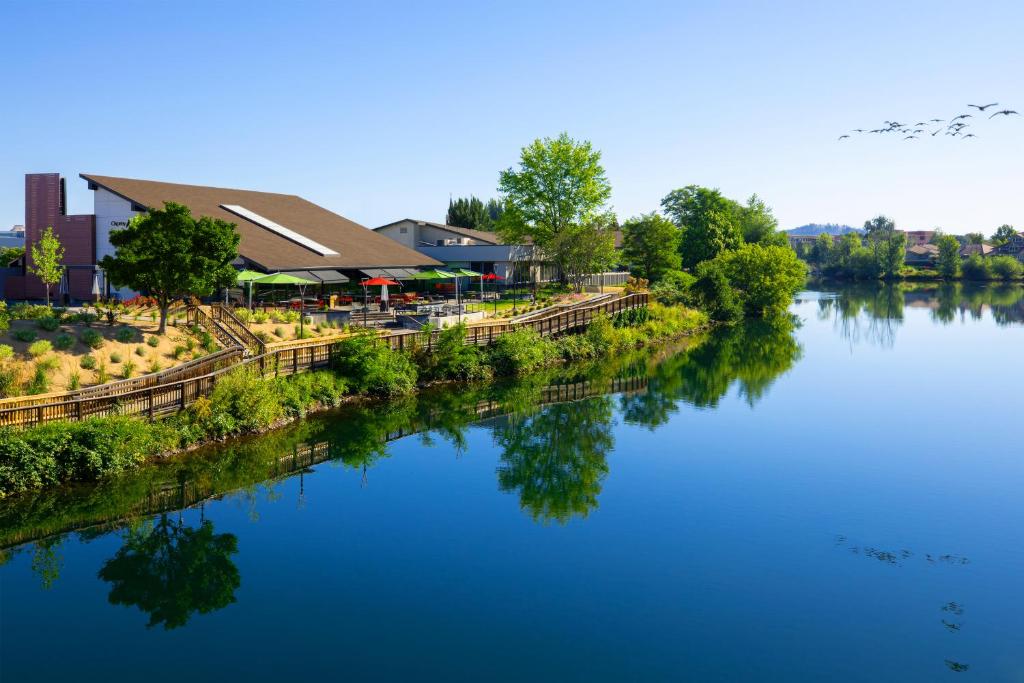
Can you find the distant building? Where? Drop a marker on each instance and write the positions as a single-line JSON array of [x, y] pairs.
[[969, 250], [15, 237], [919, 237], [479, 250], [1013, 247], [922, 255]]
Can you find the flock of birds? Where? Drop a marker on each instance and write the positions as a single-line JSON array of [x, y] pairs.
[[954, 127]]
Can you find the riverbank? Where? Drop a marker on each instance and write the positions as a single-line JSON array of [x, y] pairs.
[[244, 403]]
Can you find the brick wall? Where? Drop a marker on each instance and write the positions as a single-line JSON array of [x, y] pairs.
[[44, 207]]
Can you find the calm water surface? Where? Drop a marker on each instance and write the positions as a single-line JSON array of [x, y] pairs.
[[839, 501]]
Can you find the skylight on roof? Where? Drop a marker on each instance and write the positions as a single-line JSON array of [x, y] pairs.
[[279, 229]]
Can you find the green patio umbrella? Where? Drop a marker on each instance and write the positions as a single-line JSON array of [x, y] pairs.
[[437, 274], [288, 279], [247, 277]]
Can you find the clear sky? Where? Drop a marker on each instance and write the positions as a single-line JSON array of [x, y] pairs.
[[381, 112]]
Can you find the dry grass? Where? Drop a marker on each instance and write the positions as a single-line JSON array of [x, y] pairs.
[[68, 362]]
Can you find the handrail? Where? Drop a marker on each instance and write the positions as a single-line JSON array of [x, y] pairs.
[[161, 393], [225, 316]]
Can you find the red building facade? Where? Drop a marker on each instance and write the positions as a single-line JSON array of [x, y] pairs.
[[46, 206]]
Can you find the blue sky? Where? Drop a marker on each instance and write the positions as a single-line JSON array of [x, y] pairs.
[[380, 113]]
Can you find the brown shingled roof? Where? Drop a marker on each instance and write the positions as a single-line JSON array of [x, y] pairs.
[[358, 247]]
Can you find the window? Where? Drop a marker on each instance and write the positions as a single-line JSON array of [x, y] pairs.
[[403, 230]]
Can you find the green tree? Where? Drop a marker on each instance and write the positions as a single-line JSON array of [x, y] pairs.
[[468, 213], [888, 245], [47, 260], [585, 249], [168, 254], [8, 254], [975, 238], [650, 246], [708, 222], [766, 277], [949, 256], [821, 253], [494, 209], [1002, 235], [559, 186], [169, 571], [758, 224], [713, 293]]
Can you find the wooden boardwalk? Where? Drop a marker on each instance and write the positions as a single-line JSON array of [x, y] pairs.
[[174, 389]]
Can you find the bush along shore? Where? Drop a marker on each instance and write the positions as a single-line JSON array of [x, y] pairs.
[[242, 402]]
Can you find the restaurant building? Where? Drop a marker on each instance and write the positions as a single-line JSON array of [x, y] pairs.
[[279, 233]]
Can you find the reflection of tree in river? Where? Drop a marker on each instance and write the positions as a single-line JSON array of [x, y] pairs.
[[170, 571], [874, 311], [555, 458], [751, 355]]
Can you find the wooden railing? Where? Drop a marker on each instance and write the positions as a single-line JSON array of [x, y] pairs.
[[223, 315], [177, 388]]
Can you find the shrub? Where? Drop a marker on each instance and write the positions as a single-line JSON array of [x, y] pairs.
[[115, 357], [766, 277], [154, 341], [63, 342], [40, 348], [279, 332], [49, 324], [10, 381], [6, 352], [125, 335], [102, 376], [264, 337], [87, 362], [190, 344], [260, 317], [674, 288], [713, 293], [451, 358], [208, 343], [374, 368], [140, 351], [242, 401], [89, 450], [24, 335], [1006, 267], [521, 352], [91, 338], [74, 380], [40, 382], [975, 268], [30, 312], [243, 314], [128, 369], [576, 347], [155, 365], [300, 392], [179, 351]]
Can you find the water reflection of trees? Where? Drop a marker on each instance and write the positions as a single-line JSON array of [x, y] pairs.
[[873, 312], [170, 571]]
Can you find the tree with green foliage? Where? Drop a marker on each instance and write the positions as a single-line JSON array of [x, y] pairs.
[[47, 262], [1002, 235], [888, 245], [494, 209], [821, 252], [8, 254], [714, 294], [708, 222], [765, 277], [975, 238], [168, 254], [949, 256], [170, 571], [758, 224], [585, 249], [650, 246], [560, 186], [468, 213]]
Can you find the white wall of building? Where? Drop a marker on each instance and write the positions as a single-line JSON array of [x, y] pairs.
[[112, 213]]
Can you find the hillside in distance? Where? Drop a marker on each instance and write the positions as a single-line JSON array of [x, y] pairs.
[[827, 228]]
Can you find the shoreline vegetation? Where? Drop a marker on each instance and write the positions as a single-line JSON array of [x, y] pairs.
[[243, 403]]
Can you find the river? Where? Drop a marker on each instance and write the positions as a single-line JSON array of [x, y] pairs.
[[837, 499]]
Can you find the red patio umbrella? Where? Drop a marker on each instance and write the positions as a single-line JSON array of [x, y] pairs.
[[382, 282]]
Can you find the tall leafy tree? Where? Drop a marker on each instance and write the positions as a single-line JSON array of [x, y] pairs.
[[468, 212], [585, 249], [821, 252], [48, 260], [650, 245], [766, 277], [708, 222], [1003, 234], [494, 209], [169, 255], [888, 244], [975, 238], [758, 224], [559, 186], [949, 256]]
